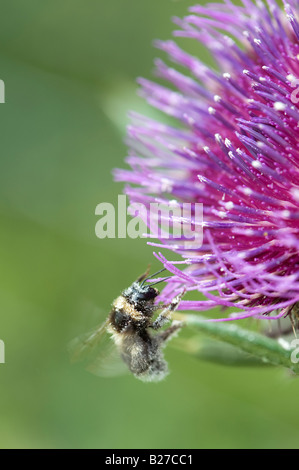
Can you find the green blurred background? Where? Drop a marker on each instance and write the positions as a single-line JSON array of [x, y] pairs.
[[69, 67]]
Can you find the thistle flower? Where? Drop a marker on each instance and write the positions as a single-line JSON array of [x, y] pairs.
[[235, 148]]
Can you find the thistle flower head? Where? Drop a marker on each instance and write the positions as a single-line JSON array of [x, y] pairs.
[[234, 148]]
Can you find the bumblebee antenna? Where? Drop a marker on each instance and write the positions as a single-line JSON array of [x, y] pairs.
[[158, 282], [153, 275]]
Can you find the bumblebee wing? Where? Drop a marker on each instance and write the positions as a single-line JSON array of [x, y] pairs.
[[108, 365], [98, 352], [87, 345]]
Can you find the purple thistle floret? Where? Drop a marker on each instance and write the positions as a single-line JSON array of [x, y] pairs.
[[235, 149]]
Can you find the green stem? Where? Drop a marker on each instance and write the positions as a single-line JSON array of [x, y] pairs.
[[267, 349]]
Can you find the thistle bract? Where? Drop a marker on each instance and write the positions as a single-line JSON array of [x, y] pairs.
[[234, 148]]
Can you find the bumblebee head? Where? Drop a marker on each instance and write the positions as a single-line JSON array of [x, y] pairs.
[[142, 295], [138, 294]]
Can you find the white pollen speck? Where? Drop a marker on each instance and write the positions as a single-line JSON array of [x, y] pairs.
[[245, 71], [295, 193], [206, 148], [229, 205], [247, 191], [227, 142], [279, 106], [217, 98], [262, 79], [226, 75], [257, 41], [256, 164], [211, 110], [218, 137], [286, 214], [291, 78]]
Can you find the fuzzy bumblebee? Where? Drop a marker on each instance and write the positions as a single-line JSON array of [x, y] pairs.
[[134, 333]]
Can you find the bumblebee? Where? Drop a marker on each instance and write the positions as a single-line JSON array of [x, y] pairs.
[[134, 333]]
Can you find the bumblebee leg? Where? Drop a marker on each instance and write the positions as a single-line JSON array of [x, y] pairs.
[[170, 332], [165, 315]]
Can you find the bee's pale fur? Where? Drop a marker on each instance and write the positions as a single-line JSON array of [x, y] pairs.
[[122, 304]]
